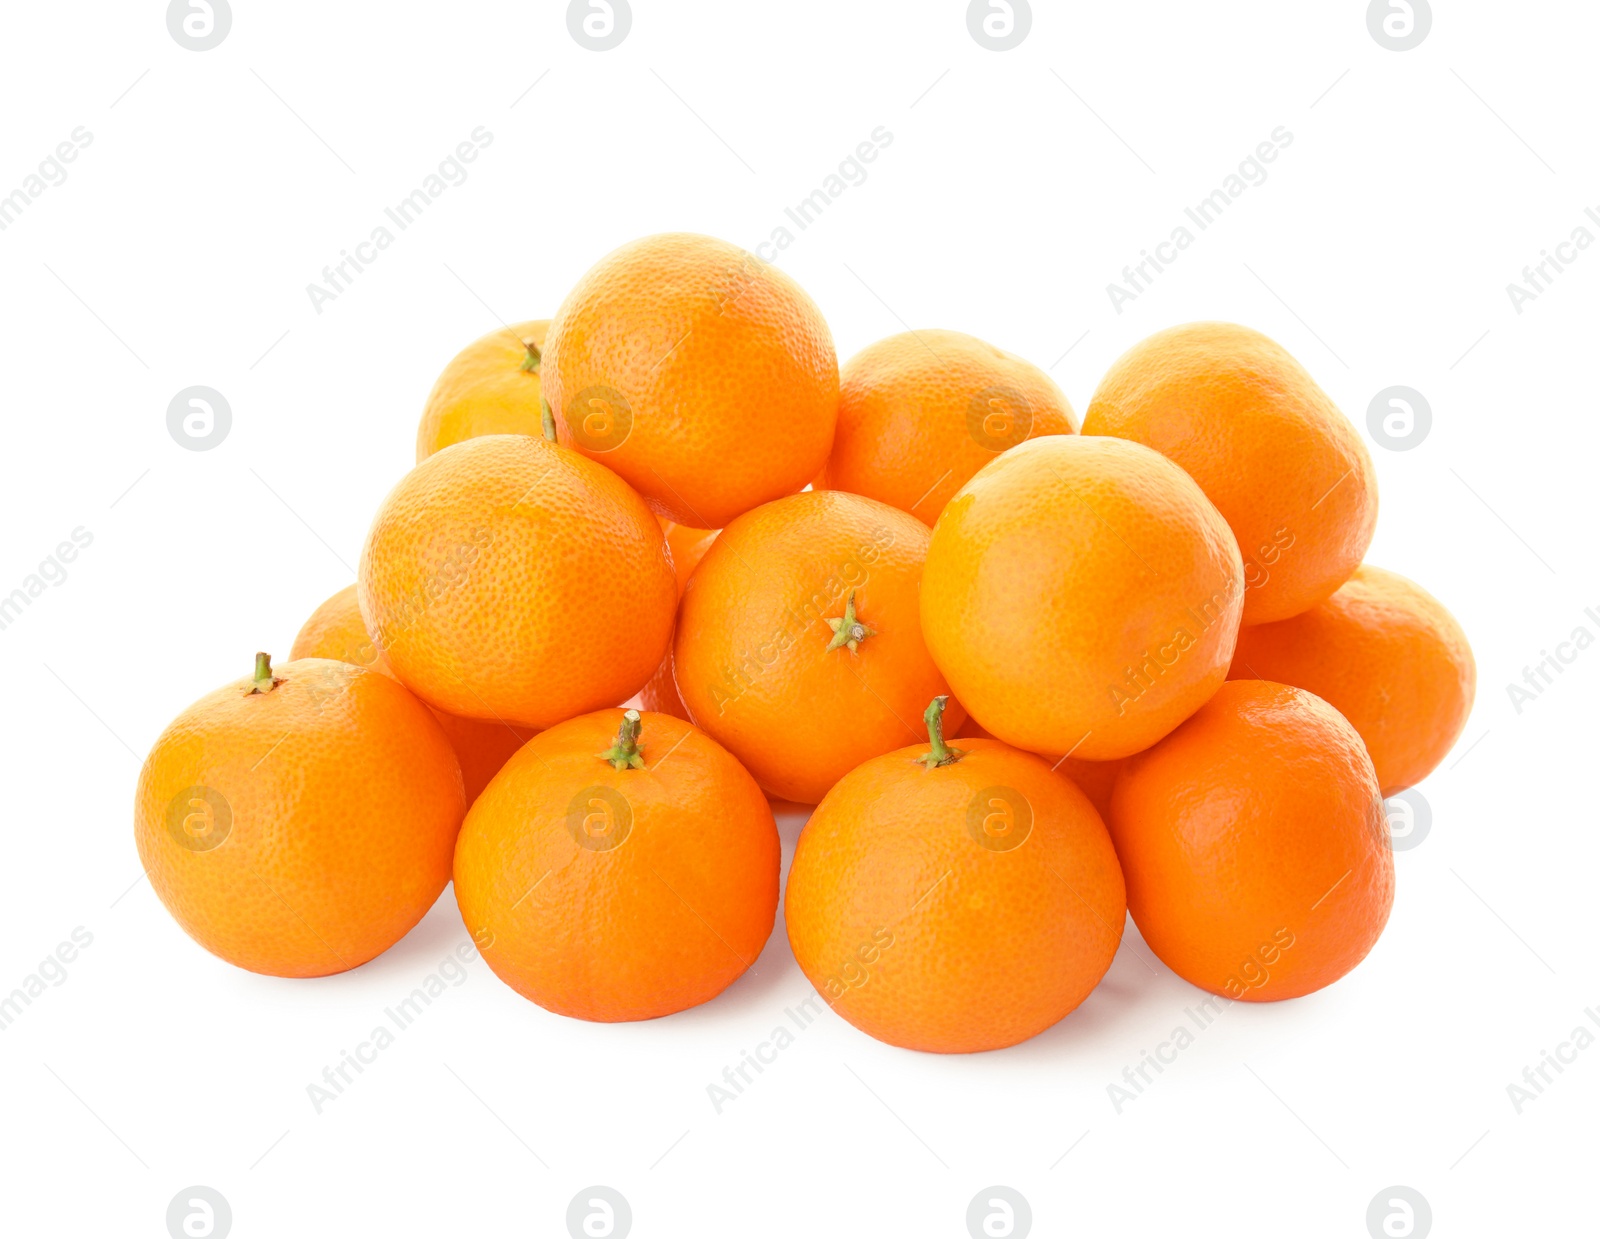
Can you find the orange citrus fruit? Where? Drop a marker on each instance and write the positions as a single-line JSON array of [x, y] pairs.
[[1081, 596], [1284, 466], [1386, 654], [508, 578], [620, 867], [298, 822], [702, 375], [799, 647], [1255, 845], [491, 387], [335, 630], [1095, 779], [954, 900], [920, 413], [688, 547]]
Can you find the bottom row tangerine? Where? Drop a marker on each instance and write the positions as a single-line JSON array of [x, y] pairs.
[[624, 865], [942, 898]]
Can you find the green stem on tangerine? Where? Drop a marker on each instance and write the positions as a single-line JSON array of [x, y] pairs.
[[530, 363], [264, 681], [548, 417], [939, 753], [625, 752], [849, 631]]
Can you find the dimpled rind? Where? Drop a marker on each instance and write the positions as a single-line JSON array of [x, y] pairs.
[[1283, 465], [335, 630], [1255, 844], [487, 389], [508, 578], [921, 412], [669, 902], [725, 367], [921, 935], [1388, 656], [1082, 596], [751, 655], [343, 799]]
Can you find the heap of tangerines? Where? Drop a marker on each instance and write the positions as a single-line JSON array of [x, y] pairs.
[[1032, 676]]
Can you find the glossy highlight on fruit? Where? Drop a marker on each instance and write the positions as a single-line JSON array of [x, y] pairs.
[[1387, 655], [1255, 844]]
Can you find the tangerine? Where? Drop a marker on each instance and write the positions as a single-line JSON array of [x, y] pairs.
[[621, 866], [508, 578], [1082, 596], [799, 646], [300, 821], [954, 900], [335, 630], [921, 412], [1387, 655], [491, 387], [702, 375], [1255, 844], [1283, 465]]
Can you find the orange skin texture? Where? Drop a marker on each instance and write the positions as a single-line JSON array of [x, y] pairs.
[[920, 413], [751, 652], [664, 920], [1081, 596], [922, 936], [1386, 654], [344, 798], [1255, 844], [485, 390], [508, 578], [725, 370], [688, 547], [335, 631], [1284, 466], [1095, 779]]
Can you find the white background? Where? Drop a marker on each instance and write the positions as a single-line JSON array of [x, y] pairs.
[[1017, 185]]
